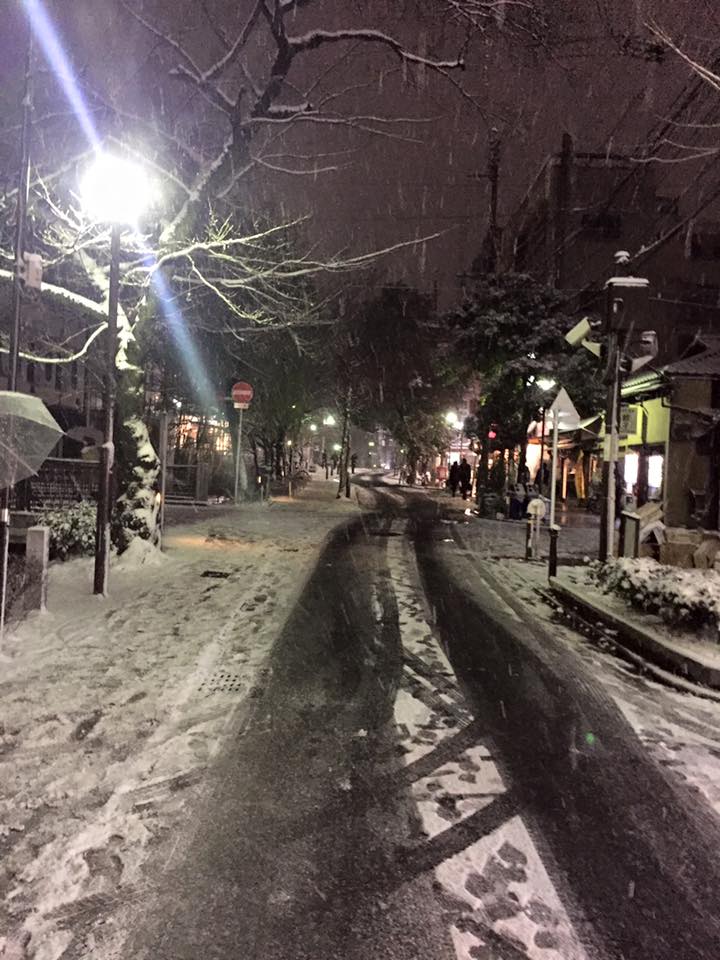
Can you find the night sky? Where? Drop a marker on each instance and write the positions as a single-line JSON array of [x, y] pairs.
[[417, 179]]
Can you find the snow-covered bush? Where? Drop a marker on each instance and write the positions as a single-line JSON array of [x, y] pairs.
[[72, 530], [136, 512], [689, 598]]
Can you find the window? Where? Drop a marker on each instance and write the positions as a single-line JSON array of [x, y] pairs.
[[705, 244], [602, 226], [715, 394]]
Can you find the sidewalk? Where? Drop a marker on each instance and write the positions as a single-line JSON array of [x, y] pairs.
[[673, 656], [679, 652], [112, 709]]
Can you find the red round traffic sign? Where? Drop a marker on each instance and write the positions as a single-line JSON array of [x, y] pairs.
[[242, 392]]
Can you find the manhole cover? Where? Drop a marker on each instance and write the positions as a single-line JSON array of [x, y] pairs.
[[222, 682], [216, 574]]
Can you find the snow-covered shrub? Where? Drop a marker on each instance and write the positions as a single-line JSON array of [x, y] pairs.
[[72, 530], [136, 512], [689, 598]]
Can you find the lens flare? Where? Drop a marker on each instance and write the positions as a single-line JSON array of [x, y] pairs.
[[48, 38], [187, 349]]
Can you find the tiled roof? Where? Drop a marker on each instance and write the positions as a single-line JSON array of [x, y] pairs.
[[705, 364]]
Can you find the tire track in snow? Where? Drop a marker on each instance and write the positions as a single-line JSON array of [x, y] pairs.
[[499, 894]]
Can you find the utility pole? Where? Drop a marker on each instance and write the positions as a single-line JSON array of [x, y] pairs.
[[23, 195], [493, 174], [626, 310], [610, 451]]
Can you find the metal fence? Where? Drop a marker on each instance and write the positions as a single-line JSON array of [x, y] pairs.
[[59, 483], [187, 483]]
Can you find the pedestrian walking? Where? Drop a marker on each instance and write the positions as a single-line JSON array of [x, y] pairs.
[[454, 478], [353, 462], [465, 476], [334, 464]]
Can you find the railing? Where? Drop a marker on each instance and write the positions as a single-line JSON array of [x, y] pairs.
[[59, 483], [62, 482], [187, 483]]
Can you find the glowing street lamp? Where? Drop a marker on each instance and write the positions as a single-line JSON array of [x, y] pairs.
[[114, 191], [329, 420], [453, 420]]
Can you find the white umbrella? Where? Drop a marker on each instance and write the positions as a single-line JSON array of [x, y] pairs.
[[28, 432]]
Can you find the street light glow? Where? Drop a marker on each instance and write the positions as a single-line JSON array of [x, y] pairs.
[[453, 420], [546, 383], [329, 420], [114, 190], [313, 428]]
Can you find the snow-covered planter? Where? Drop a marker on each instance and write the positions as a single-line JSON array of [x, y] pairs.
[[687, 598], [72, 530]]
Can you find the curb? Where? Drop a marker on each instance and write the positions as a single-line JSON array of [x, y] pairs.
[[640, 641]]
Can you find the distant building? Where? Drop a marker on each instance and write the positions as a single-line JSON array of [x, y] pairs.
[[582, 207]]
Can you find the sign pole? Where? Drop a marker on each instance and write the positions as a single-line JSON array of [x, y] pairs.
[[163, 471], [241, 394], [564, 408], [553, 472], [238, 451]]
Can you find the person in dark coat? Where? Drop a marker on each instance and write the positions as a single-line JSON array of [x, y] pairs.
[[465, 475], [454, 478]]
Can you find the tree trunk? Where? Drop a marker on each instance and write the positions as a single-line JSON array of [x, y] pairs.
[[343, 479]]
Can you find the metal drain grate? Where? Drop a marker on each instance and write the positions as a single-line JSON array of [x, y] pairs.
[[222, 682]]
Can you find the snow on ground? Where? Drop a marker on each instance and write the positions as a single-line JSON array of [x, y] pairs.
[[503, 892], [680, 730], [112, 708]]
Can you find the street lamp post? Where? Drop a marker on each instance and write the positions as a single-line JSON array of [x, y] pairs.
[[115, 192], [107, 452]]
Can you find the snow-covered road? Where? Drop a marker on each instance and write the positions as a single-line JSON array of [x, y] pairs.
[[282, 742]]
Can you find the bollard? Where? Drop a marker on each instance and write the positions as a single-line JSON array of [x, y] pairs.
[[552, 564], [537, 522], [528, 540], [37, 555]]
